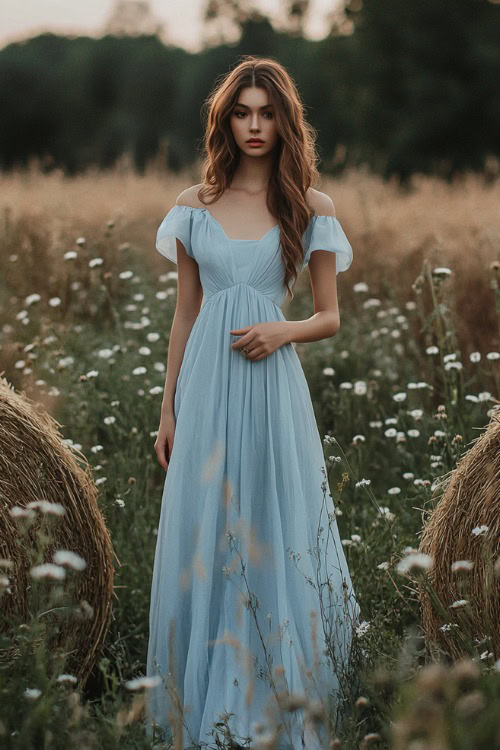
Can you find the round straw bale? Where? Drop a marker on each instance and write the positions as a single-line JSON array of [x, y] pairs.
[[465, 526], [36, 465]]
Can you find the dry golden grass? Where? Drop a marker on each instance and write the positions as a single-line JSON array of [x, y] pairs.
[[455, 225]]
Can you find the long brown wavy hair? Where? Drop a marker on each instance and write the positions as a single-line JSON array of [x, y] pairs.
[[295, 164]]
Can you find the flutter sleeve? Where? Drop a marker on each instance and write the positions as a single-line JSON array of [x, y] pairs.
[[176, 224], [326, 233]]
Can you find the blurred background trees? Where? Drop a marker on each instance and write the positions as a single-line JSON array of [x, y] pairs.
[[397, 86]]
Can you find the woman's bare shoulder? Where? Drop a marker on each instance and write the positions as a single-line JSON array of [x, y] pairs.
[[320, 203], [189, 197]]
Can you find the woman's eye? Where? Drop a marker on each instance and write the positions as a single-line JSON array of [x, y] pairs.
[[244, 113]]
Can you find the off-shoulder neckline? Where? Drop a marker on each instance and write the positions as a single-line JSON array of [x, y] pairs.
[[233, 239]]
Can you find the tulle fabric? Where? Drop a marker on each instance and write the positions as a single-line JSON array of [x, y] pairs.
[[323, 233], [177, 223], [326, 233], [247, 537]]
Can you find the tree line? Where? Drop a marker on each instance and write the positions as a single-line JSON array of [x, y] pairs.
[[412, 88]]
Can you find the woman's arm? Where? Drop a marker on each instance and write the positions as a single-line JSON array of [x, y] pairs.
[[189, 298], [323, 274]]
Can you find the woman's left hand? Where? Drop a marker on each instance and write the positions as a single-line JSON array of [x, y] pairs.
[[261, 339]]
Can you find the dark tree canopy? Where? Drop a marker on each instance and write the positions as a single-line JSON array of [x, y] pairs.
[[413, 88]]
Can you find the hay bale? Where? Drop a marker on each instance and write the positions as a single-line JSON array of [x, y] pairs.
[[471, 500], [36, 465]]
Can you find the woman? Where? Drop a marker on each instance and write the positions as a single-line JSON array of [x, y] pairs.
[[251, 597]]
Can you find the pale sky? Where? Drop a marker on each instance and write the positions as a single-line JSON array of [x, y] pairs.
[[182, 18]]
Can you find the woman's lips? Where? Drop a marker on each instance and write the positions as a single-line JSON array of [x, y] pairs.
[[255, 143]]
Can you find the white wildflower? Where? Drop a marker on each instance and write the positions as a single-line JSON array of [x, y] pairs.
[[361, 286], [67, 679], [32, 298], [363, 482], [416, 561], [462, 565], [480, 530], [17, 511], [44, 506], [442, 272], [48, 570], [362, 628], [360, 387], [143, 682], [372, 302], [387, 513], [71, 559], [416, 413], [484, 396], [32, 693]]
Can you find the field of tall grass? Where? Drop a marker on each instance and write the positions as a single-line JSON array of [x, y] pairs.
[[399, 393]]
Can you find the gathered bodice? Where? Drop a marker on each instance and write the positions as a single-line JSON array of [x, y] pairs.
[[226, 262]]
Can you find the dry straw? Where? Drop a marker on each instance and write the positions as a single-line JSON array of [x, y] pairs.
[[465, 526], [35, 464]]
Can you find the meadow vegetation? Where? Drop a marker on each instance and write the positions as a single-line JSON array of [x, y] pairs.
[[86, 304]]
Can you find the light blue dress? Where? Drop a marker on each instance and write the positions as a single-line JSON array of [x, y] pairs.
[[249, 567]]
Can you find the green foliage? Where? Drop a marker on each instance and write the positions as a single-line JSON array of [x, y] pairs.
[[412, 410], [412, 89]]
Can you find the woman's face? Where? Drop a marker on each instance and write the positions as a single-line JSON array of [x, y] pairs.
[[253, 117]]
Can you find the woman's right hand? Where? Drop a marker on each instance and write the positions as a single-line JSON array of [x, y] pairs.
[[164, 442]]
